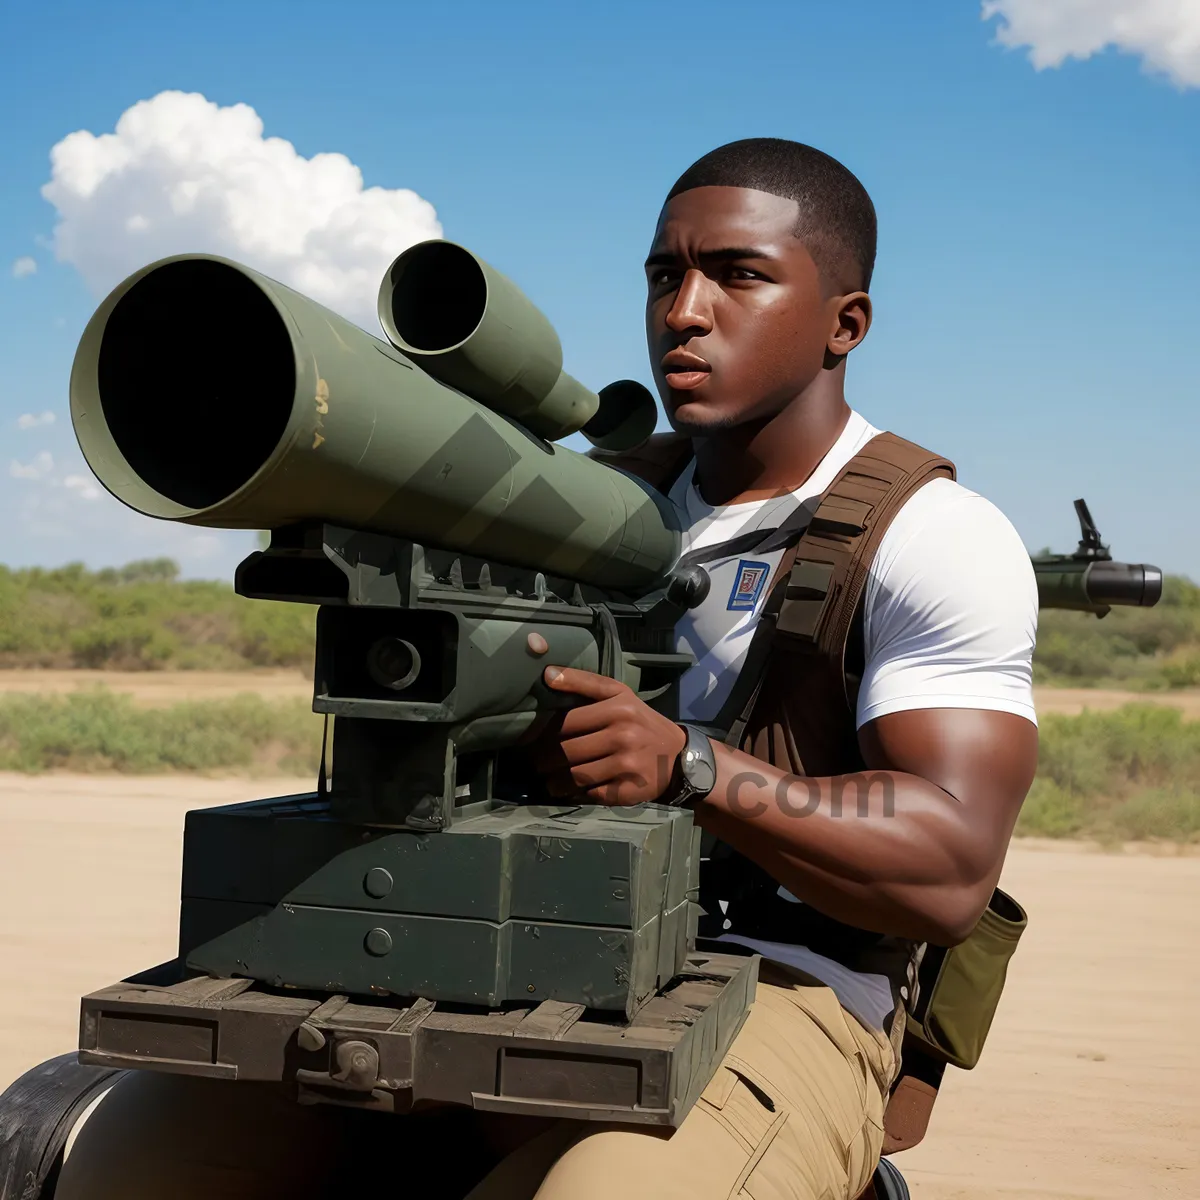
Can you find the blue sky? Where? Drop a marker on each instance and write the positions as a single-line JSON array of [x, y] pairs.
[[1037, 312]]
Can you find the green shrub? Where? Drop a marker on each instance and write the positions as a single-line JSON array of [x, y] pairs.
[[143, 617], [1185, 673], [97, 730], [1139, 648], [1129, 774], [1115, 776]]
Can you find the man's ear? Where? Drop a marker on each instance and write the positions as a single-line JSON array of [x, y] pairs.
[[852, 320]]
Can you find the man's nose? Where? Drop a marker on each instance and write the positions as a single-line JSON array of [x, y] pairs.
[[692, 310]]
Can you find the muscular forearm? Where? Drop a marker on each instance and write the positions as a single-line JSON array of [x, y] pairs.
[[911, 847], [882, 850]]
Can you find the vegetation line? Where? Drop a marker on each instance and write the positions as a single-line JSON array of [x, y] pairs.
[[143, 617], [1129, 774], [1132, 774]]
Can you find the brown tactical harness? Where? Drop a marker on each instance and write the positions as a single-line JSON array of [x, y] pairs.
[[793, 705], [796, 706]]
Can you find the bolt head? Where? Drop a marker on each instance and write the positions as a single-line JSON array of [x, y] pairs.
[[378, 942], [377, 882]]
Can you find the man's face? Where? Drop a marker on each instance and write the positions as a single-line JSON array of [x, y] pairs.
[[736, 321]]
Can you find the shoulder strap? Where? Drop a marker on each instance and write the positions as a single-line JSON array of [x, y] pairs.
[[833, 557], [826, 572]]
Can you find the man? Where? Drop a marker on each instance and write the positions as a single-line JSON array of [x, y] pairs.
[[757, 293], [757, 282]]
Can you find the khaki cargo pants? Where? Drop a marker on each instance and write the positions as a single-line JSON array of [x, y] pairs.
[[795, 1112]]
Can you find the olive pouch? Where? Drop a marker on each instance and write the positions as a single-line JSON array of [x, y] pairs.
[[959, 987]]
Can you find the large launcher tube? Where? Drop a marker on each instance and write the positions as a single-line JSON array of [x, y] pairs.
[[204, 392]]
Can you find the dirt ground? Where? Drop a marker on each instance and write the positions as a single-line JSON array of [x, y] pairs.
[[1086, 1089], [163, 687], [1075, 700], [169, 687]]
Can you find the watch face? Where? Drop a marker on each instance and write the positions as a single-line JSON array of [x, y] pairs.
[[698, 770]]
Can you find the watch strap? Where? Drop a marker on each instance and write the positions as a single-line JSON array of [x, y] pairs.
[[695, 772]]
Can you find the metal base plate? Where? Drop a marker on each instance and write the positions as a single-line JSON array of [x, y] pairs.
[[550, 1059]]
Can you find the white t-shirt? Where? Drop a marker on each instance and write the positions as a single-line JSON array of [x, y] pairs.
[[949, 621], [950, 610]]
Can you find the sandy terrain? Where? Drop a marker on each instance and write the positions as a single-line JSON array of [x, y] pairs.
[[163, 687], [1086, 1087], [1075, 700], [1086, 1090], [168, 687]]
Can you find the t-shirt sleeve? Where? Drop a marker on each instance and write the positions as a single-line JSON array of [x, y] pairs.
[[951, 607]]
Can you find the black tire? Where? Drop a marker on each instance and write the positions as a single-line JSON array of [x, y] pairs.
[[889, 1183], [37, 1113]]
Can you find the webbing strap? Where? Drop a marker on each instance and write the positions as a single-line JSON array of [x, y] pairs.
[[829, 575], [756, 541], [827, 552], [743, 696], [826, 571]]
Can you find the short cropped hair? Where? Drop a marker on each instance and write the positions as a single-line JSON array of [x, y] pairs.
[[837, 219]]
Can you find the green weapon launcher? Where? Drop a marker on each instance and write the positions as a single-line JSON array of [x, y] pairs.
[[423, 926], [1089, 580]]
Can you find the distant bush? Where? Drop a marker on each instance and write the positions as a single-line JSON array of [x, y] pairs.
[[1132, 774], [98, 730], [1137, 648], [143, 617], [1125, 775]]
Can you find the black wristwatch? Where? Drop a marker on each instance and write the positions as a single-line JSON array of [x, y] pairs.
[[695, 770]]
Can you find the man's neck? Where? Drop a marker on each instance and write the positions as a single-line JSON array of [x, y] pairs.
[[763, 459]]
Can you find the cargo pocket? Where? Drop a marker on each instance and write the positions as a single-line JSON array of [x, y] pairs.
[[868, 1058], [748, 1111], [833, 1074], [816, 1145]]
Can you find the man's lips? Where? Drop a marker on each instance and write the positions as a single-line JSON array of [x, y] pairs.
[[683, 370]]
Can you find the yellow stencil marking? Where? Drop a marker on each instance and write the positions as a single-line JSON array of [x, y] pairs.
[[322, 401]]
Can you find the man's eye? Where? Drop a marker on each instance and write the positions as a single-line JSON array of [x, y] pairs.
[[743, 273], [662, 278]]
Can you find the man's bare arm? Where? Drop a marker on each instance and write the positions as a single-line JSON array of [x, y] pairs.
[[942, 792], [915, 847]]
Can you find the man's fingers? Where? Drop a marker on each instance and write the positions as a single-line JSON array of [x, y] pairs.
[[588, 718], [572, 780], [601, 781], [582, 683], [573, 751]]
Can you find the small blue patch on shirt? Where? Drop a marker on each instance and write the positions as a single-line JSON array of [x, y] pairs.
[[748, 584]]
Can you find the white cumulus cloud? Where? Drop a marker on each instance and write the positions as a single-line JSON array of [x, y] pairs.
[[62, 514], [182, 174], [1165, 34], [39, 468], [83, 486], [24, 266], [34, 420]]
